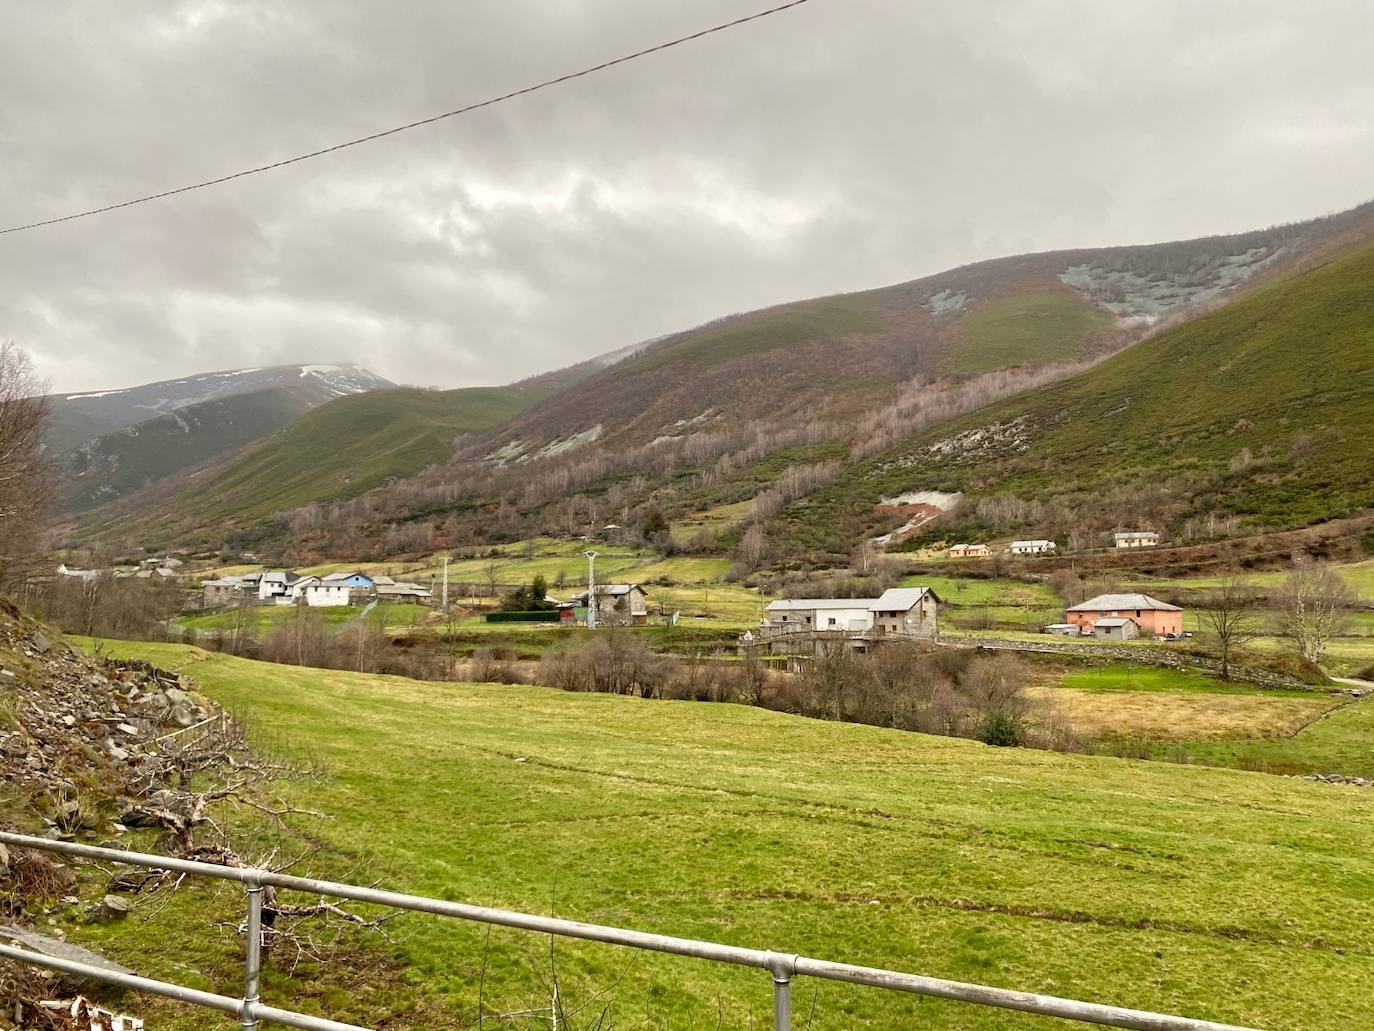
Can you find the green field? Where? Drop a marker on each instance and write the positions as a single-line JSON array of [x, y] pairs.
[[782, 327], [1119, 676], [1340, 742], [1234, 896], [712, 521], [267, 617], [1044, 327]]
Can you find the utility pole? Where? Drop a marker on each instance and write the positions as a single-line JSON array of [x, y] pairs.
[[591, 589], [445, 603]]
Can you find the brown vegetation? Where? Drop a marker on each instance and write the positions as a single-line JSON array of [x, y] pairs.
[[25, 476]]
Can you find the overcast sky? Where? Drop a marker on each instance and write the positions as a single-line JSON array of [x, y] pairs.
[[840, 145]]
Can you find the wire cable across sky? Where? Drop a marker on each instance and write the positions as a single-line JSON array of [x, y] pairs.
[[411, 125]]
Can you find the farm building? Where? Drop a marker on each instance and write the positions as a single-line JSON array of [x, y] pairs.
[[969, 551], [1135, 539], [820, 613], [226, 590], [1118, 629], [1032, 547], [401, 590], [905, 610], [1150, 615], [619, 603]]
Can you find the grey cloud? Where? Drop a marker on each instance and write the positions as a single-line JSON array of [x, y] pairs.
[[846, 144]]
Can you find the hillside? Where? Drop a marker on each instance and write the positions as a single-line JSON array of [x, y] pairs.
[[835, 357], [119, 463], [1257, 412], [342, 449], [77, 418], [722, 413], [1152, 885]]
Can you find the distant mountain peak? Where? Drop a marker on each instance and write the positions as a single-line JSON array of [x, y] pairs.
[[79, 417]]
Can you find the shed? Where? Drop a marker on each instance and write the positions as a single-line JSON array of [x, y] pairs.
[[1116, 628]]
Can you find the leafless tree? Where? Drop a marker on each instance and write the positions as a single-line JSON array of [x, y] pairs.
[[1314, 606], [1229, 619], [753, 546], [25, 476]]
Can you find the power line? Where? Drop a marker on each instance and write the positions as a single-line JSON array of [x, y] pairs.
[[413, 125]]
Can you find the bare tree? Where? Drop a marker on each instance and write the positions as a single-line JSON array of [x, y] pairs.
[[25, 477], [1315, 606], [1229, 619], [753, 547], [491, 571]]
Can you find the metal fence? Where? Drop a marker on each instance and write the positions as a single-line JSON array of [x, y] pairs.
[[782, 967]]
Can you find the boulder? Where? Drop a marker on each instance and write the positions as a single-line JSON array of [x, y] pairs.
[[68, 984]]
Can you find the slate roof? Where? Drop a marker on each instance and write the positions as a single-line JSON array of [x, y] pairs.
[[1118, 602], [901, 599]]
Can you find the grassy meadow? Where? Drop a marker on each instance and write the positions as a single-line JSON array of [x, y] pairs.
[[1222, 894]]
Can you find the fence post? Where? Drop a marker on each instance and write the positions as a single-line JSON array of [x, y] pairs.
[[782, 967], [253, 957]]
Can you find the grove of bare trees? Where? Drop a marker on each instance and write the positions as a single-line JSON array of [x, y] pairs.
[[1315, 605], [25, 475]]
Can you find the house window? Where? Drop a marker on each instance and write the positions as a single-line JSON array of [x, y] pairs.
[[1137, 613], [832, 621]]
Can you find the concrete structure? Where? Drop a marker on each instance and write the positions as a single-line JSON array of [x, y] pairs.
[[969, 551], [1116, 629], [819, 614], [618, 603], [1150, 615], [1135, 539], [1031, 547], [906, 610]]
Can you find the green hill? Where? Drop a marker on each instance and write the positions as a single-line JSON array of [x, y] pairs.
[[342, 449], [1238, 897], [841, 356], [120, 463], [1257, 411]]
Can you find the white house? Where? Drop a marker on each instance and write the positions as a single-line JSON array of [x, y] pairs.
[[905, 610], [1136, 539], [1032, 547], [272, 586], [324, 595], [820, 613], [283, 587]]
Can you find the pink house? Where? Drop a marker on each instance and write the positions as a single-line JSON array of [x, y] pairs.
[[1154, 617]]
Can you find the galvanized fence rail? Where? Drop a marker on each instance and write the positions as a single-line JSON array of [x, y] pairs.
[[781, 966]]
